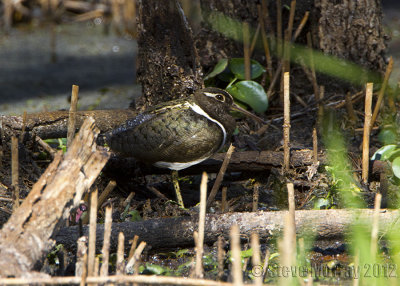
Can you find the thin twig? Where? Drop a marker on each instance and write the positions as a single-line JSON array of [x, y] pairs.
[[157, 192], [92, 231], [21, 138], [301, 26], [291, 201], [106, 242], [350, 109], [105, 193], [237, 276], [321, 105], [312, 67], [220, 257], [120, 254], [315, 146], [135, 257], [265, 41], [382, 91], [45, 146], [15, 171], [133, 243], [220, 175], [256, 260], [254, 41], [224, 205], [367, 131], [72, 114], [255, 197], [375, 226], [202, 222], [286, 123], [279, 27], [84, 270]]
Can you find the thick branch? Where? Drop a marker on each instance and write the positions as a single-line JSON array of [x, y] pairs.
[[172, 232], [25, 238]]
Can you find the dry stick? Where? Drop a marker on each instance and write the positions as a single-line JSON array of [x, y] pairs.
[[105, 193], [301, 26], [120, 254], [202, 222], [291, 16], [192, 263], [312, 66], [255, 197], [288, 37], [81, 260], [106, 242], [135, 257], [220, 175], [92, 231], [265, 40], [291, 200], [286, 122], [375, 226], [246, 50], [286, 250], [236, 261], [157, 193], [96, 267], [15, 171], [254, 41], [320, 104], [223, 200], [45, 146], [133, 242], [315, 146], [72, 114], [266, 263], [256, 260], [84, 270], [367, 131], [382, 91], [350, 109], [21, 138], [220, 257]]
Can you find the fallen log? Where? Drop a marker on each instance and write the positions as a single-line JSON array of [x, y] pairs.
[[173, 232], [25, 238]]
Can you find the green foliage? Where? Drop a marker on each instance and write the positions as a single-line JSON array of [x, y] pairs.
[[248, 92], [59, 143]]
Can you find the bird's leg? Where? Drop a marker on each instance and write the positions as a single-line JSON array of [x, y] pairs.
[[174, 176]]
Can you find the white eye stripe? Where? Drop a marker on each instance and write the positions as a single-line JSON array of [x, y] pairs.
[[211, 94]]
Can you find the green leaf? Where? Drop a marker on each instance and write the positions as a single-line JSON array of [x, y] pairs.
[[384, 153], [219, 68], [396, 167], [236, 65], [388, 136], [251, 93], [155, 269]]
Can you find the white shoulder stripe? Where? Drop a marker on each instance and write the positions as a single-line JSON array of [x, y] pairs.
[[200, 111]]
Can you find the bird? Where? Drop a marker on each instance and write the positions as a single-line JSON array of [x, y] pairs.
[[180, 133]]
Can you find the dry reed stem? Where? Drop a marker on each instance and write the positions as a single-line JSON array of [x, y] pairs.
[[279, 27], [291, 17], [223, 200], [312, 66], [220, 175], [81, 256], [292, 206], [21, 139], [265, 40], [254, 41], [106, 242], [375, 226], [256, 260], [301, 26], [72, 115], [128, 199], [120, 254], [105, 193], [256, 194], [237, 276], [246, 50], [382, 91], [286, 122], [350, 109], [84, 270], [123, 279], [286, 250], [202, 222], [135, 257], [174, 175], [220, 257], [45, 146], [320, 104], [15, 171], [157, 193], [92, 231], [367, 131], [315, 146], [96, 267], [133, 242]]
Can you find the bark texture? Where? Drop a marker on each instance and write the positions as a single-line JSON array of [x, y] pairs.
[[25, 238]]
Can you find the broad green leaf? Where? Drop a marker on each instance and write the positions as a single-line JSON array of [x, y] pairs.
[[236, 65], [396, 167], [384, 153], [219, 68], [251, 93], [388, 136], [155, 269]]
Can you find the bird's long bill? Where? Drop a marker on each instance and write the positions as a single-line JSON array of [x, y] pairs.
[[247, 113]]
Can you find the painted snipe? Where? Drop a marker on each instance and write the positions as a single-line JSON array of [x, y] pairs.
[[179, 133]]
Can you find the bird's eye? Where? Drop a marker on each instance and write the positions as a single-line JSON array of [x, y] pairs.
[[220, 97]]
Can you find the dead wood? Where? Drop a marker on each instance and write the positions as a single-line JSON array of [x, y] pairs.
[[173, 232], [54, 124], [169, 66], [25, 238]]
